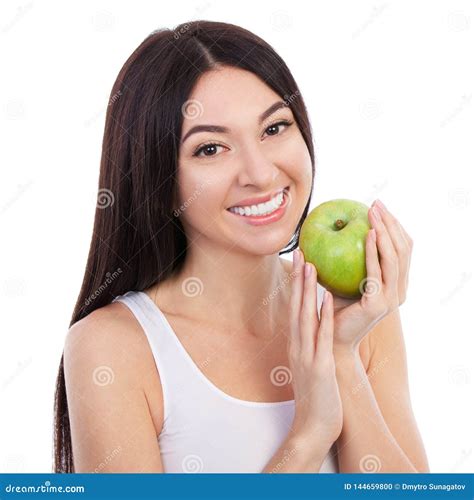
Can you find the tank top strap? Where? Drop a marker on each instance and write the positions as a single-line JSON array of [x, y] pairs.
[[177, 377]]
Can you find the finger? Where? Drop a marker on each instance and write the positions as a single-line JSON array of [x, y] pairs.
[[403, 245], [410, 246], [308, 312], [408, 239], [325, 333], [404, 270], [403, 262], [394, 229], [388, 255], [296, 297], [373, 281]]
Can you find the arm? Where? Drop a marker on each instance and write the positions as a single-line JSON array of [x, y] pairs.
[[111, 426], [297, 454], [379, 431]]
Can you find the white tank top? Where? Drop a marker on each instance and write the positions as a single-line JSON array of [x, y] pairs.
[[206, 429]]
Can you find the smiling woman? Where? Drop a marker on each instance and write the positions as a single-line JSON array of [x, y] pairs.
[[196, 356]]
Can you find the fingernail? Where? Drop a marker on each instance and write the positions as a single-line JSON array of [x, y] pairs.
[[381, 205], [376, 212], [307, 269]]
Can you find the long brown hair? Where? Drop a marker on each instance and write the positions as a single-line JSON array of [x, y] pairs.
[[136, 241]]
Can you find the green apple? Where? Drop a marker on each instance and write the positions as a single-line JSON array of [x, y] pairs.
[[333, 238]]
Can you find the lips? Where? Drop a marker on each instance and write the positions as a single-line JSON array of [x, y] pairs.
[[248, 202], [263, 220]]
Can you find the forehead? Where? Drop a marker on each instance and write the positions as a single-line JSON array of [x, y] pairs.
[[232, 91]]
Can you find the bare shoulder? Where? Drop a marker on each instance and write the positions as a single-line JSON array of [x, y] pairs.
[[110, 342], [111, 335], [110, 371], [110, 331]]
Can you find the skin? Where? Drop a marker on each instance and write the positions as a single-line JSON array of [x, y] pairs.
[[238, 267], [378, 431], [248, 162]]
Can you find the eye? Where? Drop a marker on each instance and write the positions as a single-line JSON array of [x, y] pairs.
[[209, 149], [274, 128]]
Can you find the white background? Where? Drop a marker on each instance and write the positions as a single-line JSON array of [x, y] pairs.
[[389, 88]]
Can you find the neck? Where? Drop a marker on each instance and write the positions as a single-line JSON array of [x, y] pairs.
[[231, 290]]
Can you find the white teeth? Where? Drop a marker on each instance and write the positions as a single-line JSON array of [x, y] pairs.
[[261, 208]]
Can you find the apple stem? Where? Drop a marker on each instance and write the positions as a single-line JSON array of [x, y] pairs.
[[339, 224]]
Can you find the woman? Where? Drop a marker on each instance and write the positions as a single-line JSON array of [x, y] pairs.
[[194, 347]]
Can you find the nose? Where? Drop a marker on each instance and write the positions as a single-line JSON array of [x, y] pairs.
[[255, 168]]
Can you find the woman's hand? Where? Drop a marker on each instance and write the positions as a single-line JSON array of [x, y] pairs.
[[318, 406], [386, 283]]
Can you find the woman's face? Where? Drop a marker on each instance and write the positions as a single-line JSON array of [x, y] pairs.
[[244, 156]]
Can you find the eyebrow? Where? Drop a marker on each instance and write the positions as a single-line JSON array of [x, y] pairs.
[[225, 130]]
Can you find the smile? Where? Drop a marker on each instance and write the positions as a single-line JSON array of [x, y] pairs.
[[263, 213]]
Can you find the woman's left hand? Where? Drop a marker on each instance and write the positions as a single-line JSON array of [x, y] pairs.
[[386, 283]]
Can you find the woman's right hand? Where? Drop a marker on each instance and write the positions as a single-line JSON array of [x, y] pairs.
[[318, 406]]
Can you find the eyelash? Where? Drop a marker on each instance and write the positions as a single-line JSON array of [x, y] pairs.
[[197, 152]]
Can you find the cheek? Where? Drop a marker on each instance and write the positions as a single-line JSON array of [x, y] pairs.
[[298, 162], [200, 193]]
